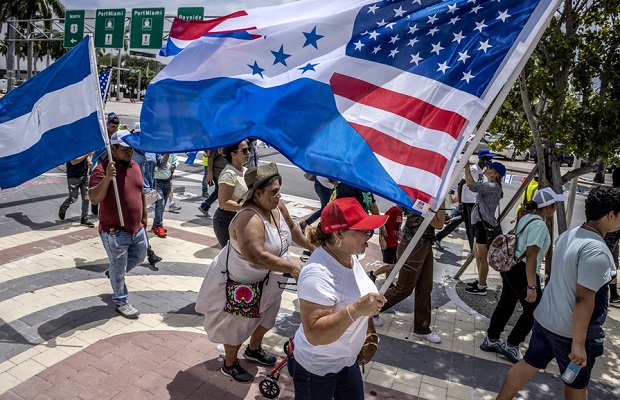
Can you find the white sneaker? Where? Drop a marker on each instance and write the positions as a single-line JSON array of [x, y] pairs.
[[377, 321], [431, 337]]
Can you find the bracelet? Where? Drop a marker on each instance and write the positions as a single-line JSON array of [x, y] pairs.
[[532, 287], [349, 312]]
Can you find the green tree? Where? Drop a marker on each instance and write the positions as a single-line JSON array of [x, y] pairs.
[[568, 92]]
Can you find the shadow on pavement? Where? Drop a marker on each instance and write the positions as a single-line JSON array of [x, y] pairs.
[[25, 220]]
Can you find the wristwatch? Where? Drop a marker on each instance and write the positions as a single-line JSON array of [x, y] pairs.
[[532, 287]]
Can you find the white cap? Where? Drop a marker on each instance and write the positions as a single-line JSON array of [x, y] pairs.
[[136, 127], [118, 136], [546, 196]]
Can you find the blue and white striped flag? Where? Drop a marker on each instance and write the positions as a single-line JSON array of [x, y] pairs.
[[51, 118]]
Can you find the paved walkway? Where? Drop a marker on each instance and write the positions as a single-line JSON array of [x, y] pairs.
[[61, 339]]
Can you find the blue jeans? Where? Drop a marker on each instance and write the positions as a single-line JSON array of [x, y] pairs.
[[346, 384], [546, 345], [205, 185], [125, 251], [324, 195], [163, 189], [211, 199]]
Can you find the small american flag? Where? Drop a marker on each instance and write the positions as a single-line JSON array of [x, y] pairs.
[[104, 84]]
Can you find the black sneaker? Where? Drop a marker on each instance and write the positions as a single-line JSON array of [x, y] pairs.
[[85, 222], [236, 372], [472, 284], [61, 214], [153, 259], [615, 300], [480, 291], [259, 355]]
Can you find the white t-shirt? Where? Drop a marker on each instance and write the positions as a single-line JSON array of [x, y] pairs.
[[580, 257], [467, 196], [325, 281], [325, 182]]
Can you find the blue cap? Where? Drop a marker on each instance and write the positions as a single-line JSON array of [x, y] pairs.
[[485, 153], [499, 167]]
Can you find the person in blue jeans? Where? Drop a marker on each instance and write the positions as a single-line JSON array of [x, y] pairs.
[[124, 241], [334, 291], [163, 185], [323, 188], [572, 311]]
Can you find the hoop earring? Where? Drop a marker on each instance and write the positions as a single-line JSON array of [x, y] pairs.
[[337, 242]]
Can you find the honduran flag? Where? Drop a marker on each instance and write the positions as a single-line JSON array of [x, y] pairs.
[[51, 118], [378, 94]]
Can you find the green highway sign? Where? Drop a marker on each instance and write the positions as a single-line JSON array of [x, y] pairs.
[[191, 13], [147, 28], [74, 28], [110, 28]]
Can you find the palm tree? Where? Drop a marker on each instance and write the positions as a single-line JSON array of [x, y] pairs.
[[31, 9]]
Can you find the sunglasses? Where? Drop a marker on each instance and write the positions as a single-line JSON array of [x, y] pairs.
[[245, 151]]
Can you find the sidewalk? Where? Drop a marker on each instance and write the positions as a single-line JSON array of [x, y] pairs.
[[60, 338]]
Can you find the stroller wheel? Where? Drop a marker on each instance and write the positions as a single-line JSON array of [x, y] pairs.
[[269, 388]]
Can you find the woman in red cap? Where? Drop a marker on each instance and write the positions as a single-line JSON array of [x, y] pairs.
[[334, 291]]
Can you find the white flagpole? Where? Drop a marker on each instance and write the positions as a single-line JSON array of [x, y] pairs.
[[541, 24], [104, 133]]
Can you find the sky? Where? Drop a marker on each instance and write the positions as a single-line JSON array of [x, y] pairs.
[[212, 7]]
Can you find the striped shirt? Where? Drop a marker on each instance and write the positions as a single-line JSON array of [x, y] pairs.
[[487, 201]]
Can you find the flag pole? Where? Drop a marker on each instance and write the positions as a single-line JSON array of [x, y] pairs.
[[541, 25], [104, 133]]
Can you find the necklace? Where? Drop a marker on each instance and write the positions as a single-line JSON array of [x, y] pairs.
[[590, 228], [332, 252]]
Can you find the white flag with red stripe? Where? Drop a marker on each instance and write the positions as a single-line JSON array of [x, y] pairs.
[[378, 94]]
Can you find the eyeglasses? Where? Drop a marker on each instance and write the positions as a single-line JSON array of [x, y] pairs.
[[245, 150]]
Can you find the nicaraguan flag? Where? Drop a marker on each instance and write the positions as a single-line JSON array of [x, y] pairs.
[[378, 94], [51, 118]]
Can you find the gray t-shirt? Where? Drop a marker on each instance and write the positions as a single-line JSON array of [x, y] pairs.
[[580, 257]]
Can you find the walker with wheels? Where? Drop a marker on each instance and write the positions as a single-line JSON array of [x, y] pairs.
[[269, 385]]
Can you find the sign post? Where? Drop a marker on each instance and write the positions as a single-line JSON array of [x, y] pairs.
[[74, 28], [147, 28], [110, 28], [191, 13]]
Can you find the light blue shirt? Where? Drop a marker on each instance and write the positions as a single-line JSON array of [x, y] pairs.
[[163, 172], [535, 234]]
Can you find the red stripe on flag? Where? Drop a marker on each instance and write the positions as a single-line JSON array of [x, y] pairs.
[[401, 153], [192, 30], [416, 194], [411, 108]]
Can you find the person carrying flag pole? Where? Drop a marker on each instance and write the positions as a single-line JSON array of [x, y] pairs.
[[122, 215]]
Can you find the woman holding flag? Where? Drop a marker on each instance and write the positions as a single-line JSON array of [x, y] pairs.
[[334, 291]]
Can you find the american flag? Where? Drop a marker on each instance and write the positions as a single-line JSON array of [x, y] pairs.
[[378, 94], [104, 84]]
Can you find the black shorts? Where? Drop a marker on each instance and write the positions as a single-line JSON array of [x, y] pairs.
[[389, 255], [480, 233]]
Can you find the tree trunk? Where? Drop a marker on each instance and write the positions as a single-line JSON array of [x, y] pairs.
[[529, 113], [556, 176], [599, 177]]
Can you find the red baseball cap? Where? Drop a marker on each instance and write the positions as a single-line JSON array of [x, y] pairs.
[[347, 213]]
